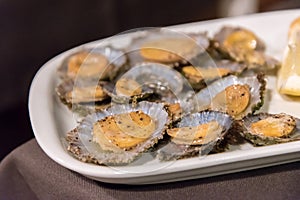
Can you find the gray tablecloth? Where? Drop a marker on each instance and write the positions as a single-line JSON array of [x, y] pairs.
[[27, 173]]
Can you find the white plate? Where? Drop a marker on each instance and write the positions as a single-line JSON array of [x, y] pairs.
[[51, 120]]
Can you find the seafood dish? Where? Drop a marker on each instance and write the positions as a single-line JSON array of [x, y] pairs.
[[264, 128], [119, 134], [172, 96]]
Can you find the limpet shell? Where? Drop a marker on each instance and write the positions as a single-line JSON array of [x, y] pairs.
[[199, 77], [242, 45], [189, 148], [101, 63], [80, 92], [245, 94], [147, 78], [82, 146], [266, 129], [167, 46]]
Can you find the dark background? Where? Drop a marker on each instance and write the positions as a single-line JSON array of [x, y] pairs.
[[33, 31]]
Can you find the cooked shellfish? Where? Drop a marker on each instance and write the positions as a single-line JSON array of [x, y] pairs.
[[169, 47], [118, 134], [174, 110], [167, 50], [199, 77], [99, 63], [145, 79], [80, 92], [237, 96], [196, 134], [238, 37], [264, 129], [243, 45]]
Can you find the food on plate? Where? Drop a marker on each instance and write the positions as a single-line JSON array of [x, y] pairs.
[[167, 106], [243, 45], [199, 77], [85, 64], [174, 110], [119, 134], [289, 73], [240, 36], [99, 64], [146, 81], [71, 92], [264, 128], [168, 47], [236, 96], [128, 87], [196, 134], [125, 130]]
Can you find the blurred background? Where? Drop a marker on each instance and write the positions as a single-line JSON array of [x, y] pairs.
[[33, 31]]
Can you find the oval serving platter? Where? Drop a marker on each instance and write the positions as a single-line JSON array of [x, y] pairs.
[[51, 126]]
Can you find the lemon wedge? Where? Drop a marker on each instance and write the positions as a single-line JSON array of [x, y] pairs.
[[292, 86], [289, 74]]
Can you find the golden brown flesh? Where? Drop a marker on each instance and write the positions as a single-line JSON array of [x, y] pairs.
[[125, 130], [86, 65], [233, 100], [128, 87], [195, 135], [274, 127], [85, 94], [167, 50]]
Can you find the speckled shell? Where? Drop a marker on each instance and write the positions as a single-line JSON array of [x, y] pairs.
[[83, 108], [200, 39], [116, 62], [225, 31], [244, 127], [153, 78], [68, 85], [80, 139], [173, 151], [235, 68], [266, 64], [111, 91], [257, 84]]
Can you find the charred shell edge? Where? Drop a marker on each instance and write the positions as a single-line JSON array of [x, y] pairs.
[[157, 33], [173, 78], [67, 85], [172, 151], [85, 109], [205, 82], [221, 35], [206, 92], [109, 89], [270, 63], [192, 151], [261, 79], [79, 151], [256, 140], [78, 148], [159, 70], [118, 60]]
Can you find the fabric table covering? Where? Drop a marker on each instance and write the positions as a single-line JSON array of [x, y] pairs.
[[28, 173]]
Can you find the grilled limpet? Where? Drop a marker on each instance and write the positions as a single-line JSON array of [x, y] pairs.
[[237, 96], [265, 129], [196, 134], [103, 63], [119, 134]]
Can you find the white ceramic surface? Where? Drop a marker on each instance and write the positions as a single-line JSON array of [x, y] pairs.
[[51, 120]]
